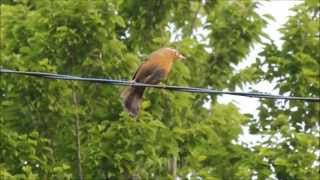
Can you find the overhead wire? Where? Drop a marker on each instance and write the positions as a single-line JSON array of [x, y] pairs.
[[168, 87]]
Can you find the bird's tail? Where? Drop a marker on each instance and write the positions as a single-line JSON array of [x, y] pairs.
[[132, 97]]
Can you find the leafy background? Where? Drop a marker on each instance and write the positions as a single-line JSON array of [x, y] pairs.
[[74, 130]]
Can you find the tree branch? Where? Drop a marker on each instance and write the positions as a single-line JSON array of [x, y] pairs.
[[194, 18], [77, 126], [77, 119]]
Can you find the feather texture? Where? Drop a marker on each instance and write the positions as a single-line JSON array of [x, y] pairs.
[[152, 71]]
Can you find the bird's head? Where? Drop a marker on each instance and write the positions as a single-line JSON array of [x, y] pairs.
[[173, 53]]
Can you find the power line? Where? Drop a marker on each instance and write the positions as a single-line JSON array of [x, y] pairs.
[[277, 0], [174, 88]]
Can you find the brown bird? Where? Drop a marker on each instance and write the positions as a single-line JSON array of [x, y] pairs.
[[155, 69]]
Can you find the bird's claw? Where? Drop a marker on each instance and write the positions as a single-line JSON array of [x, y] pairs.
[[131, 82]]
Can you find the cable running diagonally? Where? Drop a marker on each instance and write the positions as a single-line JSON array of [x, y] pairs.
[[174, 88]]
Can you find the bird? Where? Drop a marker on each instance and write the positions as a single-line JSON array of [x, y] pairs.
[[155, 69]]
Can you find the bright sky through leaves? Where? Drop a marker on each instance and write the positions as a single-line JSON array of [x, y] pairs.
[[280, 10]]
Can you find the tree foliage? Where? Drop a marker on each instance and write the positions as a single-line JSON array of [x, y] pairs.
[[110, 38], [293, 147]]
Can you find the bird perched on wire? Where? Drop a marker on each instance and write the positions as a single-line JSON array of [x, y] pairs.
[[152, 71]]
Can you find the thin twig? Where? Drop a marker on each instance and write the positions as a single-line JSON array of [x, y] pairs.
[[194, 18], [77, 126]]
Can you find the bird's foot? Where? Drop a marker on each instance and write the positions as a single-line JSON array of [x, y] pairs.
[[131, 82]]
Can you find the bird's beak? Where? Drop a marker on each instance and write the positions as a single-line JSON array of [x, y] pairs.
[[181, 56]]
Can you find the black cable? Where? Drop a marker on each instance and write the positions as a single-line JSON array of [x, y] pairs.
[[175, 88]]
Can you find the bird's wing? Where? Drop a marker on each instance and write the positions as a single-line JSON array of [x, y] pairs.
[[144, 71], [135, 74], [145, 61], [156, 75]]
